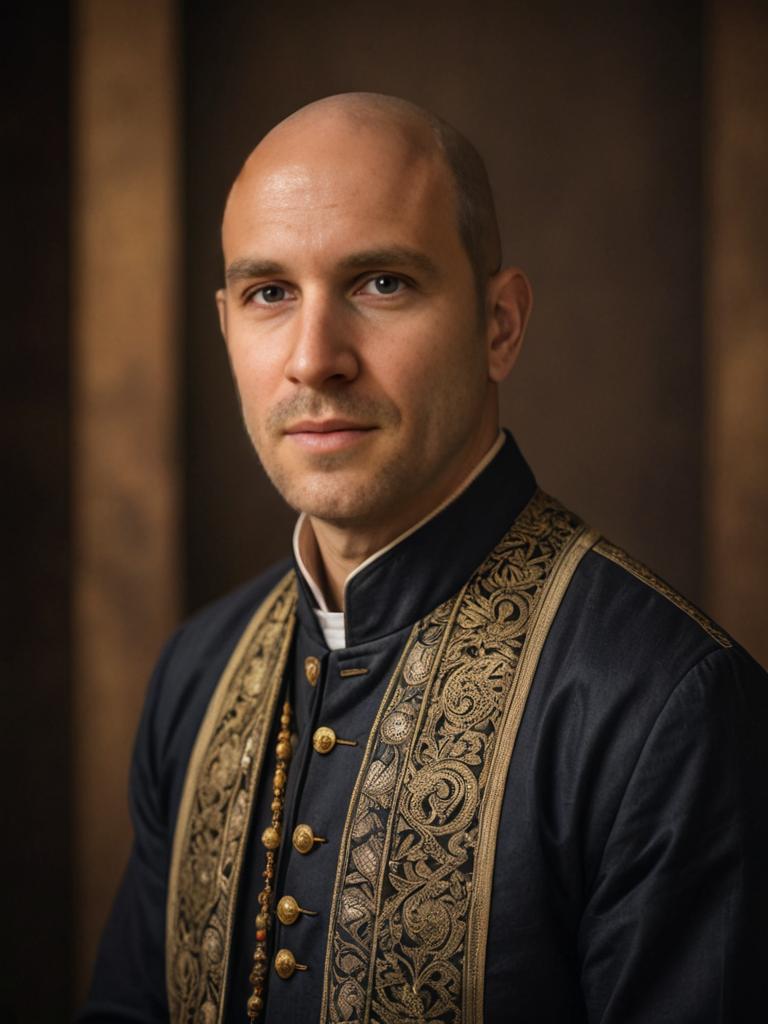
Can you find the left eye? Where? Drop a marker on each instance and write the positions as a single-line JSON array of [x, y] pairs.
[[385, 284]]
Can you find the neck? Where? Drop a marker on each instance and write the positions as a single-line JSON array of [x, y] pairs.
[[335, 554], [332, 552]]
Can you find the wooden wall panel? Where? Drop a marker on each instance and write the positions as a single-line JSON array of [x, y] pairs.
[[125, 408], [35, 738], [737, 277]]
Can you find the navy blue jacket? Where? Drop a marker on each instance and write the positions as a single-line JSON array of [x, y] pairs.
[[629, 881]]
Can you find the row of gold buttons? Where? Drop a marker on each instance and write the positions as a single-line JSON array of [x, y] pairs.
[[304, 839]]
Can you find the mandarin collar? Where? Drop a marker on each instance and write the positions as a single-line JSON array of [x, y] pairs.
[[411, 578]]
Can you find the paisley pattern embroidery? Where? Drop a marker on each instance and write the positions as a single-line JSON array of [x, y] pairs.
[[212, 826], [406, 888]]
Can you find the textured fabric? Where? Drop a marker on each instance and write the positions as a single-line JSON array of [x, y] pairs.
[[629, 877]]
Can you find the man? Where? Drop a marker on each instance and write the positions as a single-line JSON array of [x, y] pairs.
[[464, 760]]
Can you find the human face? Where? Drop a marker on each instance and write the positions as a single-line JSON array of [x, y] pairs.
[[350, 316]]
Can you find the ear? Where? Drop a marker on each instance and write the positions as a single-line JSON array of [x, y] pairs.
[[510, 301], [221, 305]]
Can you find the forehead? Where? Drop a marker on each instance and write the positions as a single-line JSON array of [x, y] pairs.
[[342, 184]]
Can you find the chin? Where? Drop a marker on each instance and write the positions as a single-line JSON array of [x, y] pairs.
[[341, 509], [337, 498]]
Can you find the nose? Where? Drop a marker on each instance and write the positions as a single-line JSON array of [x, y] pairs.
[[322, 348]]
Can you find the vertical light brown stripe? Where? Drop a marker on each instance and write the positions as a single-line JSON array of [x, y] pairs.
[[737, 315], [125, 489]]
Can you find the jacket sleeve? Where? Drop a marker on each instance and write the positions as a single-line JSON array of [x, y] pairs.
[[128, 981], [674, 927]]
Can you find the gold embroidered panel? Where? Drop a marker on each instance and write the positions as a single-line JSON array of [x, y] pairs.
[[416, 862], [215, 812]]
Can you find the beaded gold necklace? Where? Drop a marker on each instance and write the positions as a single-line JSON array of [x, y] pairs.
[[271, 841]]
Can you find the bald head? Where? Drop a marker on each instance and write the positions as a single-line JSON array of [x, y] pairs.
[[413, 135], [362, 296]]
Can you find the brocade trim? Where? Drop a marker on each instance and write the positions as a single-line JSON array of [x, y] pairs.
[[406, 940], [641, 572], [215, 812]]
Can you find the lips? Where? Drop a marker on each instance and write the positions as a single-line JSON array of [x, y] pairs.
[[325, 426], [327, 436]]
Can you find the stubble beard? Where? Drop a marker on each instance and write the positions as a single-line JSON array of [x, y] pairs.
[[344, 492], [349, 487]]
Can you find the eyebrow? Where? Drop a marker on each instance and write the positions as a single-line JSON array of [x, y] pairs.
[[248, 268], [393, 256], [244, 269]]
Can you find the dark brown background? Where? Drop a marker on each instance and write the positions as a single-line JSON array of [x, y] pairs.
[[627, 146]]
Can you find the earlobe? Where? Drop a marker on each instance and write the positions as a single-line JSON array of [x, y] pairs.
[[221, 306], [510, 302]]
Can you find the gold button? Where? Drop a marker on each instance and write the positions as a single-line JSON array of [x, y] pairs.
[[304, 838], [288, 910], [325, 739], [285, 964], [312, 669]]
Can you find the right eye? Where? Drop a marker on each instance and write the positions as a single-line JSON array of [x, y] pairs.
[[267, 294]]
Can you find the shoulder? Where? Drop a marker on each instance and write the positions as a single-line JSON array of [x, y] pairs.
[[662, 633], [633, 681], [216, 627], [629, 621], [608, 602], [632, 572], [626, 648], [185, 678]]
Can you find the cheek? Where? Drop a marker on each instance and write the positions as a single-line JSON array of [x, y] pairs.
[[254, 376], [432, 399], [439, 367]]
